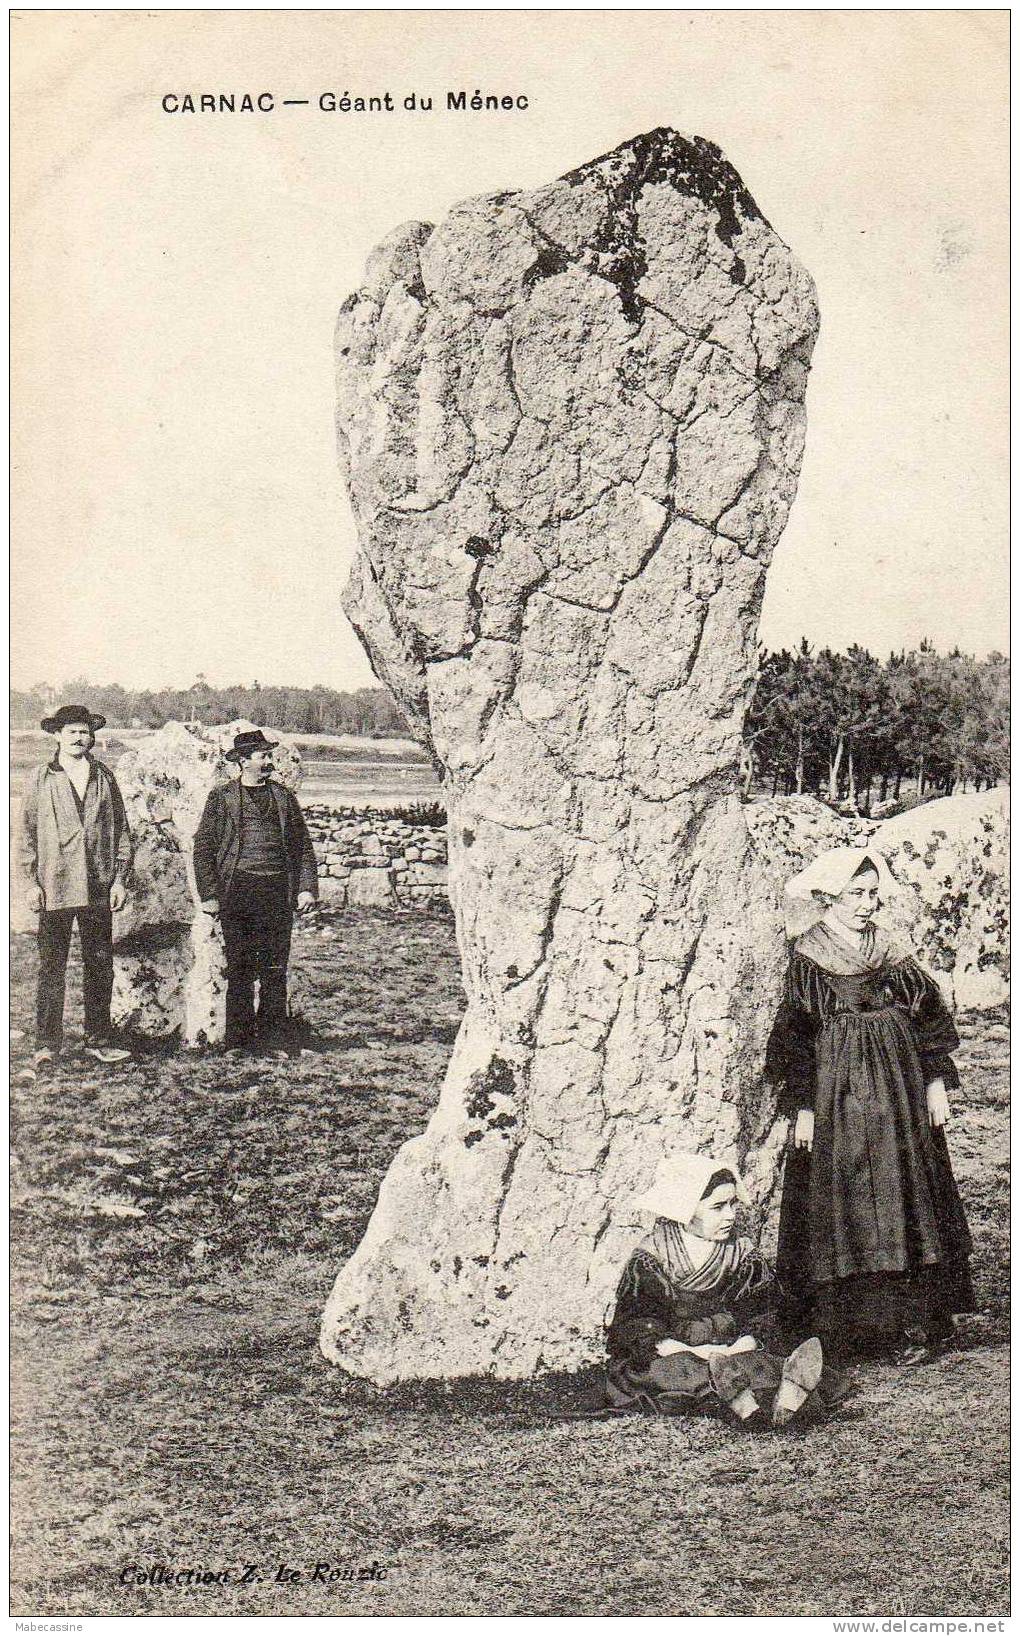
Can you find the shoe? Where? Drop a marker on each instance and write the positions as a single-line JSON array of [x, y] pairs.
[[914, 1350], [44, 1057], [731, 1379], [106, 1053], [801, 1373], [944, 1340], [835, 1387]]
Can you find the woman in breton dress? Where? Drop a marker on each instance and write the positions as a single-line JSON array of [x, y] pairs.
[[873, 1242], [682, 1339]]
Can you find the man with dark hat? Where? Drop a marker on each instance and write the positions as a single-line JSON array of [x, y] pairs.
[[73, 854], [254, 865]]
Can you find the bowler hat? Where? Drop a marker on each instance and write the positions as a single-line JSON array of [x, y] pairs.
[[245, 744], [69, 713]]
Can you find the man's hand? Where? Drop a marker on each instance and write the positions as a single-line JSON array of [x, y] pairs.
[[118, 895], [210, 906], [34, 899], [666, 1348], [804, 1130], [305, 901], [938, 1104]]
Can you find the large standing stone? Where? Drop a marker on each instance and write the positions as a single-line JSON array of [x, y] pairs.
[[572, 423], [170, 970]]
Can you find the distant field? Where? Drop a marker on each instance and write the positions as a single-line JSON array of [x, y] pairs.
[[337, 767]]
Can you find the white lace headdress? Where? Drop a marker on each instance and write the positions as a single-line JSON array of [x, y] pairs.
[[806, 897]]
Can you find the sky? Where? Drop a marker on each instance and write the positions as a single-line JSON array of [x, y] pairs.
[[177, 506]]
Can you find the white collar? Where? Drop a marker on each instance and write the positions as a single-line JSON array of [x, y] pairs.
[[77, 769]]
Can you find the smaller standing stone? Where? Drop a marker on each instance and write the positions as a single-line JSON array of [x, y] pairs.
[[170, 969]]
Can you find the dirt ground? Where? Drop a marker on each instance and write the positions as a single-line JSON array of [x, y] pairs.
[[176, 1227]]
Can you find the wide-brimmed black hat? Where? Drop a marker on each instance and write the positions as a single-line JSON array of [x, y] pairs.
[[69, 713], [246, 743]]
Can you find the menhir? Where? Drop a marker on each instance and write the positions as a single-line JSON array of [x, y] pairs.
[[571, 422]]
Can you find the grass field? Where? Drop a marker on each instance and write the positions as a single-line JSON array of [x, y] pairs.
[[177, 1224], [336, 767]]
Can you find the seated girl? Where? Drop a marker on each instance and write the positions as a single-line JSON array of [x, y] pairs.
[[682, 1338]]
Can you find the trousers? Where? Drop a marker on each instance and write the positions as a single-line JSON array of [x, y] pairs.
[[95, 933], [256, 917]]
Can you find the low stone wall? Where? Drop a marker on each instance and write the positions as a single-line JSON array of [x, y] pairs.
[[370, 858]]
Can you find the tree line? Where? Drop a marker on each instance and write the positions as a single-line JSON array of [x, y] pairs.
[[849, 728], [368, 712], [846, 727]]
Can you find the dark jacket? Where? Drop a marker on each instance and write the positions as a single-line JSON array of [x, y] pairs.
[[650, 1309], [218, 842]]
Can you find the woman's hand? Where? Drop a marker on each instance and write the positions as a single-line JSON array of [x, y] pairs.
[[804, 1130], [666, 1348], [938, 1104]]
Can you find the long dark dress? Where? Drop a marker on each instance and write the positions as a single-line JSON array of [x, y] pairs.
[[662, 1296], [873, 1241]]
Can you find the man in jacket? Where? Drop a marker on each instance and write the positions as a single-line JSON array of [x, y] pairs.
[[73, 854], [254, 865]]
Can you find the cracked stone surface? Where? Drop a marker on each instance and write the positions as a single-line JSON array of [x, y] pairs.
[[571, 423], [169, 965]]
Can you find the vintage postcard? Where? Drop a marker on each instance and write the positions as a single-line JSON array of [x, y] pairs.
[[509, 814]]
